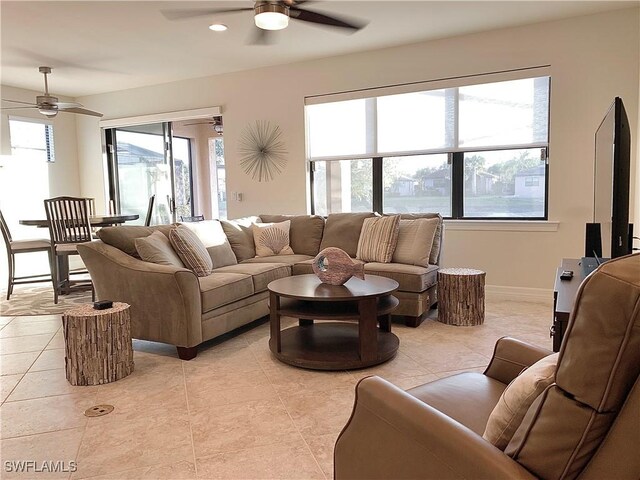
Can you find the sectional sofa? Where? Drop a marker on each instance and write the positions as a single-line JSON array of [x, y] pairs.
[[172, 305]]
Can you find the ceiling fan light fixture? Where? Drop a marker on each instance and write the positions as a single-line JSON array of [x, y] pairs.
[[271, 16], [48, 111]]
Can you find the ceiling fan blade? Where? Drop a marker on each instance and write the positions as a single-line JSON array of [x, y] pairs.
[[82, 111], [67, 105], [322, 19], [186, 14], [18, 101], [17, 108]]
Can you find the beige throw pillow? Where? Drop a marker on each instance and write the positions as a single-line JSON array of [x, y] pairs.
[[191, 250], [378, 239], [156, 248], [272, 238], [415, 241], [516, 400], [213, 238]]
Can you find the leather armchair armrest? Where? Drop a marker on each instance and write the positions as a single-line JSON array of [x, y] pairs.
[[392, 434], [511, 356]]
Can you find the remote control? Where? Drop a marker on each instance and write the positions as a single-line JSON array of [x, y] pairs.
[[566, 275]]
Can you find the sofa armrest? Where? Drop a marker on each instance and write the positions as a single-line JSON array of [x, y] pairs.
[[392, 434], [511, 356], [165, 300]]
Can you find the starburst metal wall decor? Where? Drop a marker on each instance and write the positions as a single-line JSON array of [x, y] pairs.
[[262, 151]]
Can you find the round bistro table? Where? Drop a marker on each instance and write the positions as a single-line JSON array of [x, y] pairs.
[[350, 338]]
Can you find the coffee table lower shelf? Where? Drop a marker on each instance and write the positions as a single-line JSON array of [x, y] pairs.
[[330, 346]]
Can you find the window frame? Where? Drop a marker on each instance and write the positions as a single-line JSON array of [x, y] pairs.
[[456, 157], [49, 140]]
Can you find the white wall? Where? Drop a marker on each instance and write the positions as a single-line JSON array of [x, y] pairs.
[[592, 59]]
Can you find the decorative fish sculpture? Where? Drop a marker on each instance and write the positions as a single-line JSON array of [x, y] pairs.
[[334, 266]]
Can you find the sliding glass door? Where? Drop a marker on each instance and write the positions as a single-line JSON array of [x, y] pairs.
[[145, 160]]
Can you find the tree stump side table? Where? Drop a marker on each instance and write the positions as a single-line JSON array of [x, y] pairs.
[[461, 296], [97, 344]]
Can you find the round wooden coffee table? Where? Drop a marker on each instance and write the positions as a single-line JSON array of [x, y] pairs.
[[350, 339]]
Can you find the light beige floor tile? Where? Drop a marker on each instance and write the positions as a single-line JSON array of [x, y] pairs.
[[240, 425], [53, 447], [238, 358], [149, 440], [56, 342], [398, 367], [22, 328], [41, 415], [45, 384], [178, 471], [323, 414], [7, 384], [287, 460], [289, 380], [29, 343], [38, 318], [49, 360], [4, 321], [207, 388], [322, 447], [17, 362]]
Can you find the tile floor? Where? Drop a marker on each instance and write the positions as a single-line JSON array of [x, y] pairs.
[[233, 412]]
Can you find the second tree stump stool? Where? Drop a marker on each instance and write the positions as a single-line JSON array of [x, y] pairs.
[[461, 296], [97, 344]]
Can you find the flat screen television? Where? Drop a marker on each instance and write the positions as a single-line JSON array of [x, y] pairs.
[[611, 186]]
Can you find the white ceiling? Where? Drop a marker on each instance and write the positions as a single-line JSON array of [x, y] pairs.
[[101, 46]]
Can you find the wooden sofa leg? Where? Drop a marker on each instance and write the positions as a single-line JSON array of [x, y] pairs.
[[414, 322], [187, 353]]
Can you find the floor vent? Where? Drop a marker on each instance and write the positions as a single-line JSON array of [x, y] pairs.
[[98, 411]]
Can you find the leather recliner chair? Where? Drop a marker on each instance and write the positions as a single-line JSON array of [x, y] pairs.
[[586, 425]]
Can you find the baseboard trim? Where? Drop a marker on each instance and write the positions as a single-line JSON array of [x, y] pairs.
[[525, 294]]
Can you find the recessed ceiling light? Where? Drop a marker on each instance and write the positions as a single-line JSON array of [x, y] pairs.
[[218, 27]]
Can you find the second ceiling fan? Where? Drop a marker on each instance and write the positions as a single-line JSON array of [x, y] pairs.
[[274, 15]]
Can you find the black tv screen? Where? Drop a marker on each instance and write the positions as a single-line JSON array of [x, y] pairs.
[[611, 182]]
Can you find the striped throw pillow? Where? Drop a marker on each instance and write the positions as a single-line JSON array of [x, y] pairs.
[[191, 250], [378, 239]]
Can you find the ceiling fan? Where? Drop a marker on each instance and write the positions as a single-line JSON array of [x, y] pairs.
[[49, 105], [215, 122], [274, 15]]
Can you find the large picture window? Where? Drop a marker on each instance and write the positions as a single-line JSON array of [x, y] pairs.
[[472, 151]]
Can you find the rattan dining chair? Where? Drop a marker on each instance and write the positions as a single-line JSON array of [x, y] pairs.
[[15, 247], [68, 219]]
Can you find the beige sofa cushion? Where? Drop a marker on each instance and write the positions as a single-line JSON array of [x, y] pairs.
[[378, 239], [411, 278], [342, 230], [221, 288], [261, 273], [156, 248], [305, 233], [212, 235], [240, 236], [286, 259], [516, 400], [415, 241], [271, 238], [123, 237]]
